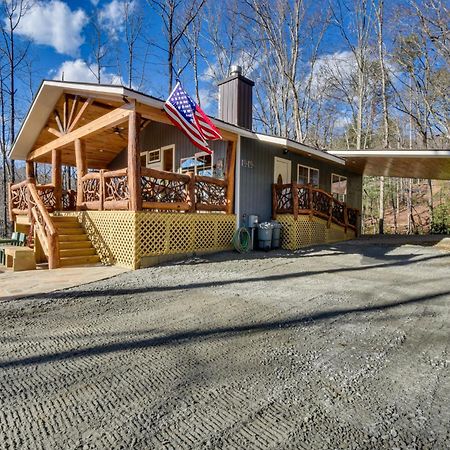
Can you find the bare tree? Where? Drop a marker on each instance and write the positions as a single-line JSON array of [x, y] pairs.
[[176, 16], [133, 22], [379, 13], [98, 44], [13, 12]]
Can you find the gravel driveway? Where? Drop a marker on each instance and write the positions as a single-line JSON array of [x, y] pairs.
[[343, 346]]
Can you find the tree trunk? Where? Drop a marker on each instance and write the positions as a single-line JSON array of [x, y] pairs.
[[381, 207]]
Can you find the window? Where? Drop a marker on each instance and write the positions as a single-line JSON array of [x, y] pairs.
[[200, 164], [308, 175], [339, 187], [160, 158], [151, 158]]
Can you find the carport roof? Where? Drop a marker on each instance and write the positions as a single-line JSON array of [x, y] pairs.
[[434, 164]]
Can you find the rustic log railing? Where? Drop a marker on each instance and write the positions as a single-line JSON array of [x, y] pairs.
[[160, 191], [18, 199], [165, 190], [42, 223], [109, 190], [300, 199], [69, 200], [210, 194], [115, 189], [91, 185], [47, 194]]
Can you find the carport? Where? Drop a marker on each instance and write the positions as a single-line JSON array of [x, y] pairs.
[[433, 164]]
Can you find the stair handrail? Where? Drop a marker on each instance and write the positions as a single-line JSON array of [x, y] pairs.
[[288, 196], [44, 226]]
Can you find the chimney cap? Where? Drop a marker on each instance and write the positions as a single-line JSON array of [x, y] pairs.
[[235, 70], [236, 73]]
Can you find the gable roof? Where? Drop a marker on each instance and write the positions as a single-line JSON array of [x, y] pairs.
[[51, 91]]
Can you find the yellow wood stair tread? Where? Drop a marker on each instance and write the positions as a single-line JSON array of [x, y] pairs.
[[79, 260]]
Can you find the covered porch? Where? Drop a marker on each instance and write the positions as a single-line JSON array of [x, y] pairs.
[[92, 134]]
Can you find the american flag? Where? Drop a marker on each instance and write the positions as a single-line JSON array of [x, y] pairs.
[[190, 119]]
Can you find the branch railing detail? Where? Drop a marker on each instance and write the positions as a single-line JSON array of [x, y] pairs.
[[210, 194], [69, 200], [18, 199], [47, 194], [160, 191], [115, 189], [298, 199], [91, 185], [165, 190], [109, 190]]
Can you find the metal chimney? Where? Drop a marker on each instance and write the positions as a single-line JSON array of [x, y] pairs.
[[236, 99]]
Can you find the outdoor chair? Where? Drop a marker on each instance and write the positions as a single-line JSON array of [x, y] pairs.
[[17, 239]]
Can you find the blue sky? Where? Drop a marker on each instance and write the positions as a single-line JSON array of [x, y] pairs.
[[59, 31]]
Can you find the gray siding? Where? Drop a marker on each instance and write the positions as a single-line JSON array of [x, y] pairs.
[[256, 182], [156, 135]]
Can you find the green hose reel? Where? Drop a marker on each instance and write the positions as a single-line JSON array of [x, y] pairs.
[[241, 240]]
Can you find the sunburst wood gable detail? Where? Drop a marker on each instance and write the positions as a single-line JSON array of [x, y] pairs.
[[101, 123]]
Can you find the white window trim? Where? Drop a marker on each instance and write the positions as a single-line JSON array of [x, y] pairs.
[[195, 156], [159, 162], [309, 172], [148, 156]]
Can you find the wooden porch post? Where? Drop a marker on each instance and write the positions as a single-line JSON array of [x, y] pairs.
[[231, 164], [80, 158], [29, 169], [134, 162], [56, 178]]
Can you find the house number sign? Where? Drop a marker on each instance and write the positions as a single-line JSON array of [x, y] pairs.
[[249, 164]]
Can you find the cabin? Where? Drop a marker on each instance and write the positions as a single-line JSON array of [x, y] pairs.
[[144, 193]]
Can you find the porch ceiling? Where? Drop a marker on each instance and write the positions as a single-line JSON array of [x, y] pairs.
[[101, 148], [434, 164]]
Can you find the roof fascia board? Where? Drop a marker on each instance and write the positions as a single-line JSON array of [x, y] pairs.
[[392, 153], [288, 143]]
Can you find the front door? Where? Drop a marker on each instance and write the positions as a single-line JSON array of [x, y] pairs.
[[168, 158], [282, 171]]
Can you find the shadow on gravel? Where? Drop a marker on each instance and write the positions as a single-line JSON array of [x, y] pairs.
[[74, 293], [217, 333]]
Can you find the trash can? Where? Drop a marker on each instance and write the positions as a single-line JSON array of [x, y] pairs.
[[265, 235], [276, 233]]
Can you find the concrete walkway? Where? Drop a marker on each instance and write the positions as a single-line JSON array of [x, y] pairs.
[[41, 281]]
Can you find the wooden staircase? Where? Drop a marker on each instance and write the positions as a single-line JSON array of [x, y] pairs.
[[75, 248]]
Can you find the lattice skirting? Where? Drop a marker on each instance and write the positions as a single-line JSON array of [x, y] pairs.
[[125, 238], [305, 231]]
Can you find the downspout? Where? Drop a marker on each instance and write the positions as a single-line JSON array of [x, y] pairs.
[[237, 182]]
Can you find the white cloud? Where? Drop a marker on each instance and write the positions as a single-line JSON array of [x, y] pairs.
[[112, 15], [208, 100], [332, 67], [214, 72], [78, 70], [53, 23]]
